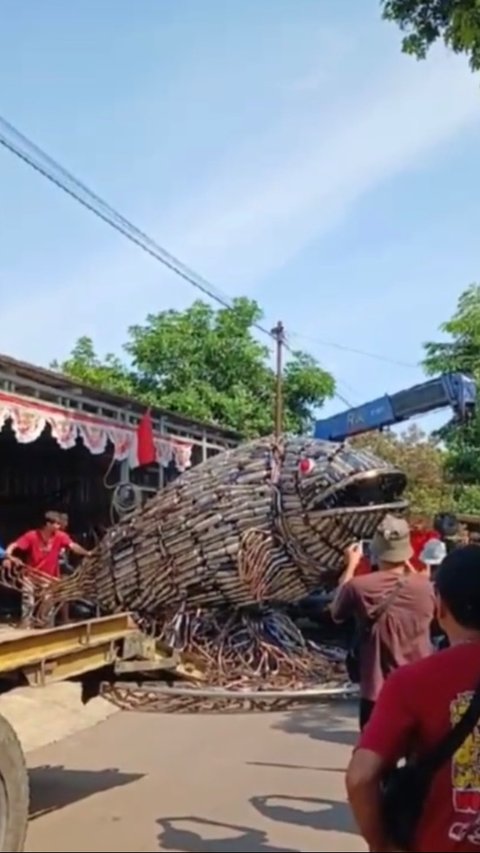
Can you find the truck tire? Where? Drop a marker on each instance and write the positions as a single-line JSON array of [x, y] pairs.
[[14, 791]]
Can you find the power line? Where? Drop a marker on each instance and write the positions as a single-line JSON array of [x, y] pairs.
[[354, 350], [336, 393], [46, 166], [34, 156], [343, 400]]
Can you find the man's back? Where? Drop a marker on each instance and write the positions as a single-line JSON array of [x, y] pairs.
[[402, 633], [419, 704]]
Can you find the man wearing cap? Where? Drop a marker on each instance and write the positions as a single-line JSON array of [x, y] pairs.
[[393, 609], [432, 555]]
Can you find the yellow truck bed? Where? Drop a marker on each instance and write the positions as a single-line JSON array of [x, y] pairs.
[[54, 654]]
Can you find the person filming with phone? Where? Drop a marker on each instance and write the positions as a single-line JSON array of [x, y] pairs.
[[391, 608]]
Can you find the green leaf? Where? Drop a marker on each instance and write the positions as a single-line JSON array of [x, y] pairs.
[[424, 22]]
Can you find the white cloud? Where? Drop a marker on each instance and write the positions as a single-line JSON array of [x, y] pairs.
[[269, 198]]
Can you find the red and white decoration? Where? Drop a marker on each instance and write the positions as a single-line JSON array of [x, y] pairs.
[[140, 445]]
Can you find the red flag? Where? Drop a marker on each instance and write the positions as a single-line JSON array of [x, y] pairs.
[[146, 451]]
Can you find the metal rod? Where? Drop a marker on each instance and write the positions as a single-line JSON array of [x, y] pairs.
[[309, 694]]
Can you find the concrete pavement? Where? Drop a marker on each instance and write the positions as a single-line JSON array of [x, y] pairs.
[[44, 715], [141, 782]]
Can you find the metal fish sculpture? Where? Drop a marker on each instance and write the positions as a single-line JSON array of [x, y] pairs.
[[264, 522]]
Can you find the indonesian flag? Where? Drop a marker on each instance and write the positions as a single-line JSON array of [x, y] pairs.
[[143, 450]]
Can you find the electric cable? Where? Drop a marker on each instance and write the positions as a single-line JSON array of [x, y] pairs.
[[32, 155]]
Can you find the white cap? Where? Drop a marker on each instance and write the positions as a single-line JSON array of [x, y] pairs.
[[434, 552]]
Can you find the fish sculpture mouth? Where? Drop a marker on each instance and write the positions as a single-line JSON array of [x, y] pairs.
[[341, 504], [362, 492]]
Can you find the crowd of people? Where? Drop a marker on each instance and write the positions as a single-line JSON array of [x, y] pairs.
[[414, 778], [41, 551]]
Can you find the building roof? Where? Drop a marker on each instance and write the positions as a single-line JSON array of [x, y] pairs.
[[32, 376]]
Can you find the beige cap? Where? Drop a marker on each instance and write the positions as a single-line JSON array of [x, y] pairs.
[[391, 542]]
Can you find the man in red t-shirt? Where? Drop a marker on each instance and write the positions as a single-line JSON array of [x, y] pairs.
[[421, 533], [418, 705], [41, 549]]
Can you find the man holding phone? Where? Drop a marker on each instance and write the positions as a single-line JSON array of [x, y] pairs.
[[392, 609], [365, 563]]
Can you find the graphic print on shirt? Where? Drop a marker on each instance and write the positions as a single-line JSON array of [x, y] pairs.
[[466, 778]]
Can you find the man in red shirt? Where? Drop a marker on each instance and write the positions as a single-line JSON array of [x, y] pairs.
[[41, 549], [421, 533], [418, 705]]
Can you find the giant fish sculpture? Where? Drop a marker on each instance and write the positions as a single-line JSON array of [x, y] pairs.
[[263, 522]]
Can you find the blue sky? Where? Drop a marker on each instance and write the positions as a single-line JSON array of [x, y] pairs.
[[285, 149]]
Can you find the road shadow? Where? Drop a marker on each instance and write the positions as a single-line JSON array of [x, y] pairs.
[[319, 814], [323, 723], [237, 840], [54, 787]]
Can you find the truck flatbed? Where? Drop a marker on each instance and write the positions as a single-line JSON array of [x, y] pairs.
[[55, 654]]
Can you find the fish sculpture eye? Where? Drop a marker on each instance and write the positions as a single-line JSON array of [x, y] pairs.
[[306, 466]]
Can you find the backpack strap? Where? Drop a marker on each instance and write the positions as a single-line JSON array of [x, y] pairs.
[[455, 737], [385, 603]]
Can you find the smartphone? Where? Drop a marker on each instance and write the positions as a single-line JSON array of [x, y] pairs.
[[366, 550]]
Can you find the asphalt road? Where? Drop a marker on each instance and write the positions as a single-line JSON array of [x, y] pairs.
[[141, 782]]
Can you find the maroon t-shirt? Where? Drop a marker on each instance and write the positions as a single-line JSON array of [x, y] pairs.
[[402, 633]]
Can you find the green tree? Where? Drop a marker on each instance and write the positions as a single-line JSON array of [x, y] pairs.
[[460, 352], [206, 364], [84, 365], [424, 22], [422, 459]]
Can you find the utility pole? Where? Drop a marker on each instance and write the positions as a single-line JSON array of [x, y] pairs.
[[278, 334]]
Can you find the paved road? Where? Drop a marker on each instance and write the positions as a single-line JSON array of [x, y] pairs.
[[142, 782]]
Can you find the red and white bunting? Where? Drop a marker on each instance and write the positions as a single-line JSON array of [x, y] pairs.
[[29, 419]]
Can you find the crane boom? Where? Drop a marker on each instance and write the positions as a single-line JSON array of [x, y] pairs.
[[454, 390]]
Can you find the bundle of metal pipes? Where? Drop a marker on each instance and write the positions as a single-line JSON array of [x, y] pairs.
[[264, 522], [260, 648]]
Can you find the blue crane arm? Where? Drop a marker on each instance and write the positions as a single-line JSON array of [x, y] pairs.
[[452, 390]]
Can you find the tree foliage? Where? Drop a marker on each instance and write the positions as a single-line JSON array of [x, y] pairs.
[[206, 364], [424, 22], [422, 460], [84, 364], [460, 352]]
